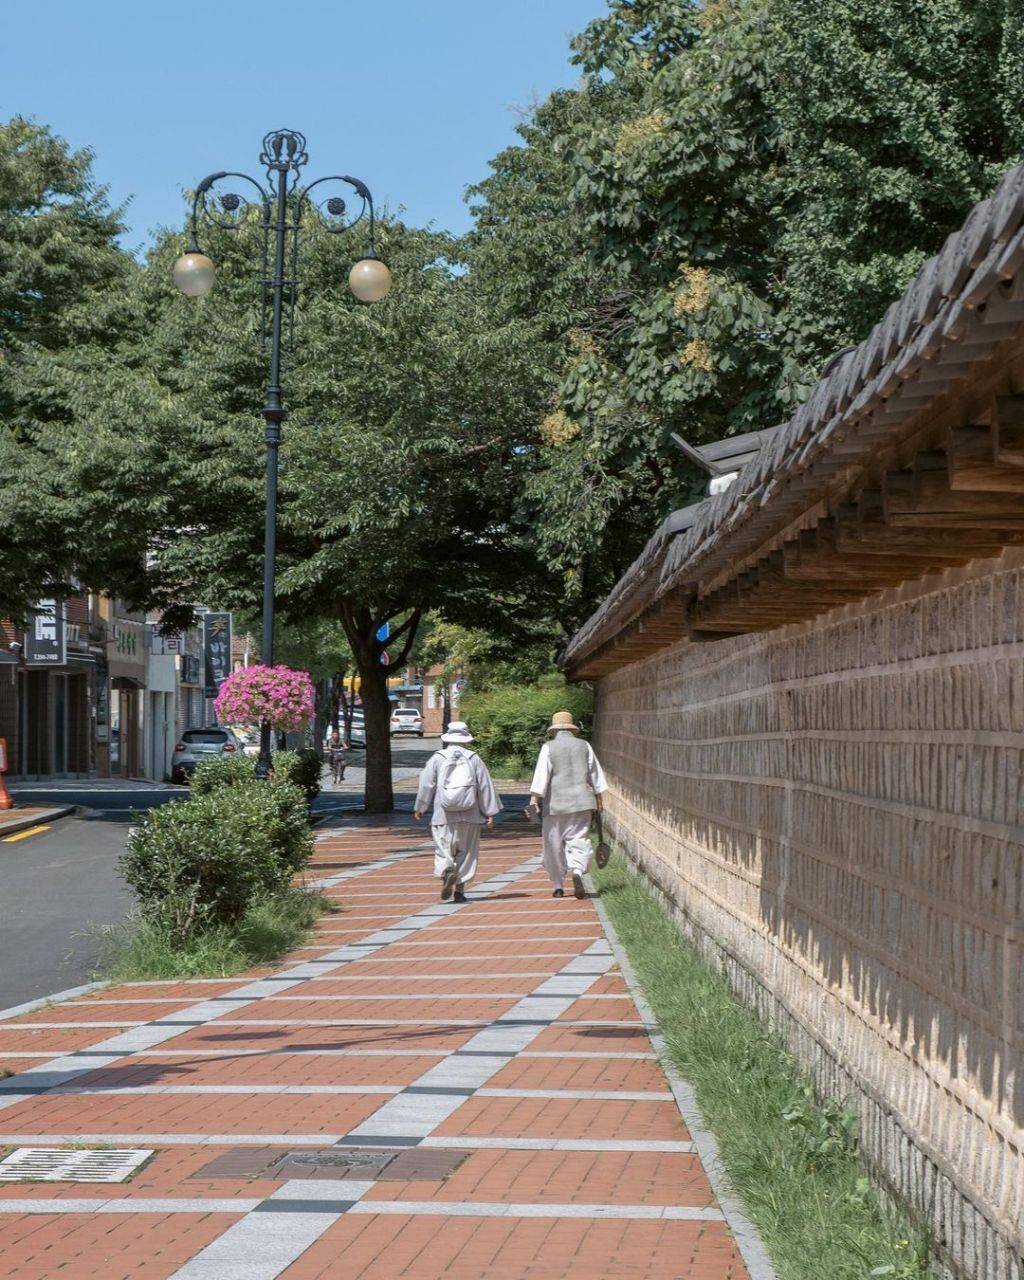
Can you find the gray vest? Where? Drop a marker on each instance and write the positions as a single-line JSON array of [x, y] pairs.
[[570, 790]]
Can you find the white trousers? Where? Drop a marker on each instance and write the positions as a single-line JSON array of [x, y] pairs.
[[456, 844], [567, 847]]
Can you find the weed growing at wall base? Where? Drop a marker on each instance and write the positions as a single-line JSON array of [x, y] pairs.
[[792, 1162]]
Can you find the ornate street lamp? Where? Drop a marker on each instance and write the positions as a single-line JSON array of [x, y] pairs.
[[281, 212]]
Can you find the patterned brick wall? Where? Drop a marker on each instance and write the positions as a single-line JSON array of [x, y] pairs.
[[834, 811]]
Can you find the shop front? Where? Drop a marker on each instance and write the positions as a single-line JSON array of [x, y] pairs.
[[126, 699]]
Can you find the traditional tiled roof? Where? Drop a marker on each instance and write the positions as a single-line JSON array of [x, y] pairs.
[[963, 303]]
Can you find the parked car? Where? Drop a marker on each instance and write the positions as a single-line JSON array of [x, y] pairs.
[[406, 720], [200, 744]]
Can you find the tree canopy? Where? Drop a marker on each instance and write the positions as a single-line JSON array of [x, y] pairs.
[[64, 285], [735, 191]]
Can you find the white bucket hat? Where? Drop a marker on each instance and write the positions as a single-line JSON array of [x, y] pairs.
[[457, 731]]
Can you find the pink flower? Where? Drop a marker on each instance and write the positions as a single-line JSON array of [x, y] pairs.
[[278, 694]]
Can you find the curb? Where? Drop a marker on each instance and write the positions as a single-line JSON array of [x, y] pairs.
[[749, 1242], [30, 1006], [44, 815]]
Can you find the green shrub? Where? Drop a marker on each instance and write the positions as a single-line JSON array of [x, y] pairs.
[[303, 768], [509, 722], [223, 771], [284, 803], [207, 860], [286, 813]]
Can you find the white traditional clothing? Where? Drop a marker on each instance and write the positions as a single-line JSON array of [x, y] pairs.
[[456, 848], [456, 836], [565, 835]]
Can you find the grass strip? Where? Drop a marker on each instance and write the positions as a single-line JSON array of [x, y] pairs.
[[140, 949], [792, 1162]]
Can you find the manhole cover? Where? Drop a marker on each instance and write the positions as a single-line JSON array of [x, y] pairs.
[[368, 1159], [45, 1164]]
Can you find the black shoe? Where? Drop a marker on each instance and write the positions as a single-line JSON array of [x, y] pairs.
[[558, 893], [460, 894], [577, 885], [448, 884]]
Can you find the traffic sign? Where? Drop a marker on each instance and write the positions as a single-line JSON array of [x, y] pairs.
[[460, 684], [384, 633], [385, 659]]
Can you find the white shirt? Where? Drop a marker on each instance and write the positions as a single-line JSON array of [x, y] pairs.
[[542, 773]]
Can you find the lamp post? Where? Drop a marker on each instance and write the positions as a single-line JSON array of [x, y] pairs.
[[281, 203]]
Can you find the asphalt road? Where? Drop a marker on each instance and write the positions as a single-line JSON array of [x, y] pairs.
[[56, 885]]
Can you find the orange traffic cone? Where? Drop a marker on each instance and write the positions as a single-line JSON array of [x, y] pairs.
[[5, 796]]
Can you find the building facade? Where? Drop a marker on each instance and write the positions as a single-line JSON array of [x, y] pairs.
[[90, 689]]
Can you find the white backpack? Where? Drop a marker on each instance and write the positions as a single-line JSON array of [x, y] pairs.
[[458, 784]]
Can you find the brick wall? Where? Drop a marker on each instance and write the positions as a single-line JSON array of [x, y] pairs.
[[834, 812]]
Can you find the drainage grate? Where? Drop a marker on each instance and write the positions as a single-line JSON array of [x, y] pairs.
[[47, 1164]]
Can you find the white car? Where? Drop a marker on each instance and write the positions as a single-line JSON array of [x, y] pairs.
[[406, 720]]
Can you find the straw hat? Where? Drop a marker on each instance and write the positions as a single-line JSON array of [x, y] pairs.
[[457, 731], [563, 720]]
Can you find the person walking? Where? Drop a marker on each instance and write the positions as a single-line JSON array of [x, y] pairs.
[[569, 781], [457, 790]]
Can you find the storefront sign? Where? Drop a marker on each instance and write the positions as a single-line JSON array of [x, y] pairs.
[[102, 700], [45, 638], [126, 652], [164, 643], [216, 651]]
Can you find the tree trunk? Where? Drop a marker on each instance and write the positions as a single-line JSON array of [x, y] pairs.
[[379, 796], [361, 628], [322, 716]]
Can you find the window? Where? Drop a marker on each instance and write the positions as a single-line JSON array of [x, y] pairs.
[[204, 735]]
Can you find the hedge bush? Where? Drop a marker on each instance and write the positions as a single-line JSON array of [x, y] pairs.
[[303, 768], [287, 816], [222, 771], [285, 804], [207, 860], [509, 722]]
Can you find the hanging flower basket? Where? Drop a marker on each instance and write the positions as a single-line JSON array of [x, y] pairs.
[[278, 694]]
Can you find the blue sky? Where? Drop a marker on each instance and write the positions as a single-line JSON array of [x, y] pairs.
[[413, 96]]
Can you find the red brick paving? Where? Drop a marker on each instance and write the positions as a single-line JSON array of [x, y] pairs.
[[109, 1246], [429, 1248], [524, 927], [192, 1113], [565, 1118], [565, 1177]]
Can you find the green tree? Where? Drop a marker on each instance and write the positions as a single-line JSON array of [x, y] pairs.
[[738, 188], [401, 456], [65, 311]]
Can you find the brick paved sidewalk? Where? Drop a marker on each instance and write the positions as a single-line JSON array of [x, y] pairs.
[[427, 1090]]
